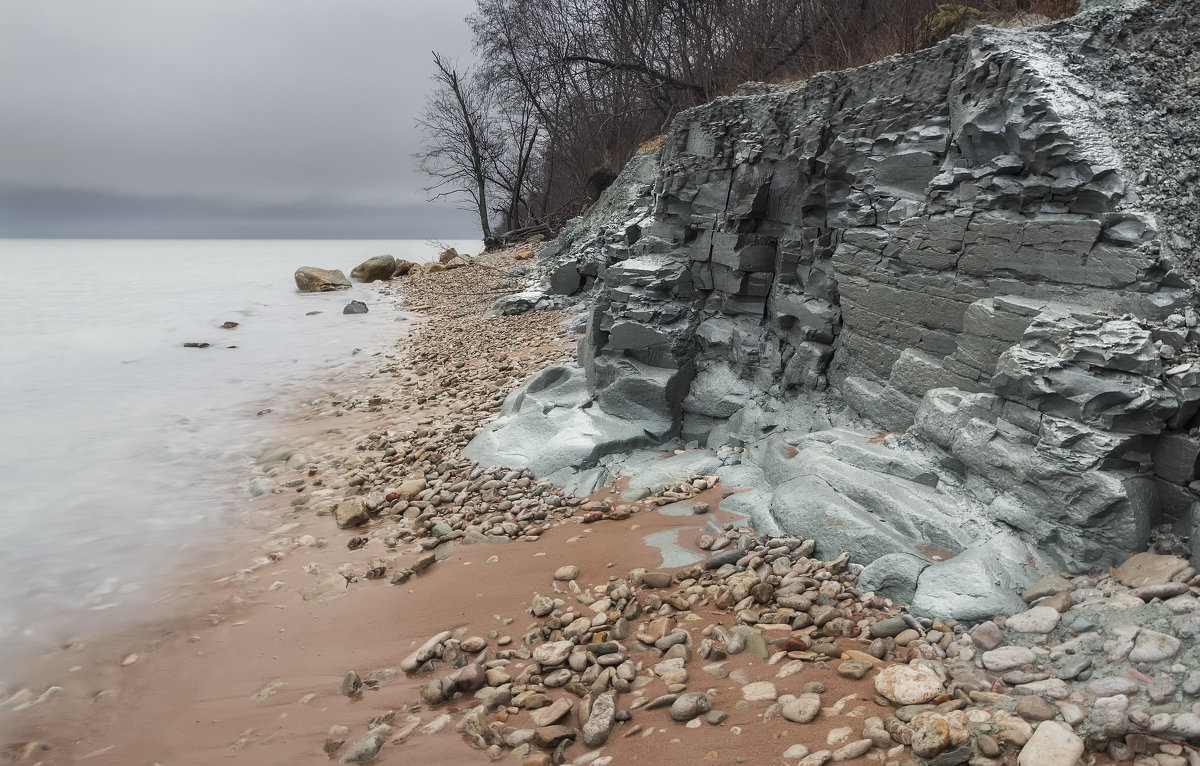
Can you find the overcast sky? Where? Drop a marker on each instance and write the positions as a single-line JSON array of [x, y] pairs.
[[220, 117]]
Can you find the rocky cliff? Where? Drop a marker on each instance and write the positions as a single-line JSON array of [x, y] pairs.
[[937, 311]]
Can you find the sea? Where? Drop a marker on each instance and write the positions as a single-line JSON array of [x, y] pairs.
[[124, 452]]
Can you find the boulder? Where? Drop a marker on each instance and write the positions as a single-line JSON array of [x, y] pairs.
[[310, 279], [406, 268], [447, 255], [355, 307], [379, 267]]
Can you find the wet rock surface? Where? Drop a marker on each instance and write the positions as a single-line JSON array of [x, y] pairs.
[[958, 330]]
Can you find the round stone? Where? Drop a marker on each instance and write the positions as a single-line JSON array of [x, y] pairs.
[[569, 572], [908, 684], [688, 706], [1040, 619]]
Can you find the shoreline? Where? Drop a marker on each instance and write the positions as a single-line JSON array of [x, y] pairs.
[[478, 614]]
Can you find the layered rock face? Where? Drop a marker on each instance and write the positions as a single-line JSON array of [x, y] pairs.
[[934, 297]]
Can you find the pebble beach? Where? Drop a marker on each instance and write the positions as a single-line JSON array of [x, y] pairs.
[[392, 602]]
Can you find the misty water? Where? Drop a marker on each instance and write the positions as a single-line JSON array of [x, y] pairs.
[[123, 453]]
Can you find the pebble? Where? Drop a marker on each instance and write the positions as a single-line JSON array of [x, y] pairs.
[[565, 573], [908, 684], [759, 691], [688, 706], [367, 748], [1052, 744], [601, 719], [1152, 646], [1040, 619], [1007, 658], [803, 709], [1034, 708]]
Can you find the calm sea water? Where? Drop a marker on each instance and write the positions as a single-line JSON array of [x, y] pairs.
[[120, 449]]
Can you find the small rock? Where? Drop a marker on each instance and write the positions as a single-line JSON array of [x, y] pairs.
[[564, 573], [1152, 646], [1007, 658], [759, 691], [552, 653], [351, 684], [600, 722], [888, 628], [803, 709], [852, 750], [931, 737], [1034, 708], [1149, 569], [688, 706], [908, 684], [1052, 744], [1040, 619], [351, 512], [855, 669], [656, 579], [367, 748]]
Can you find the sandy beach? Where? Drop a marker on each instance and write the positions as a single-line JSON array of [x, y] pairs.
[[392, 602]]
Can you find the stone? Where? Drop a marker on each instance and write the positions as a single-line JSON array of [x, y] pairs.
[[908, 684], [1149, 569], [378, 267], [552, 653], [887, 628], [351, 512], [310, 279], [1048, 585], [1110, 686], [1007, 658], [987, 636], [690, 705], [803, 709], [1040, 619], [367, 749], [470, 679], [550, 736], [852, 750], [656, 579], [854, 669], [1152, 646], [1052, 744], [565, 573], [552, 713], [600, 720], [1034, 708], [931, 737], [355, 307], [759, 691]]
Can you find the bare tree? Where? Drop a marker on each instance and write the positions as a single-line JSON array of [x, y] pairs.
[[458, 151]]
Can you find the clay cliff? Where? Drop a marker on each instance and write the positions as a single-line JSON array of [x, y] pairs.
[[938, 311]]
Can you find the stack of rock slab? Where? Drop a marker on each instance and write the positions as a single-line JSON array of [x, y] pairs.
[[951, 247]]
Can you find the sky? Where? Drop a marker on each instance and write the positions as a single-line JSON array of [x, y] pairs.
[[221, 118]]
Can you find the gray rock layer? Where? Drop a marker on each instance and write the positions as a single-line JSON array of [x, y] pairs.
[[978, 246]]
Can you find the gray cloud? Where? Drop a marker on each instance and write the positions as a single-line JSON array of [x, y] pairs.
[[237, 107]]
